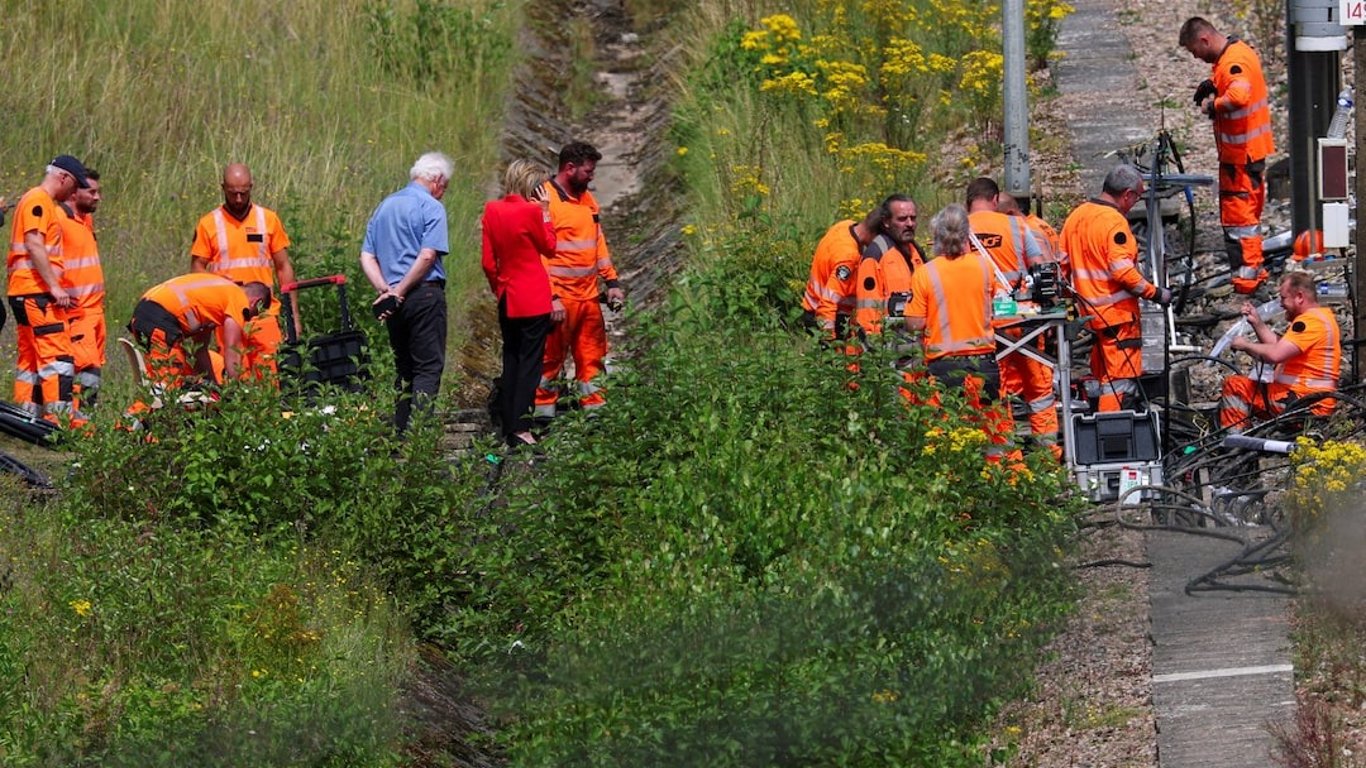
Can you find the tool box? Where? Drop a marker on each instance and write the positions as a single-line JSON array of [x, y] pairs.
[[340, 358], [1115, 451]]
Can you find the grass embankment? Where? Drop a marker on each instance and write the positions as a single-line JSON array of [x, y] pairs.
[[328, 102], [159, 611], [742, 561]]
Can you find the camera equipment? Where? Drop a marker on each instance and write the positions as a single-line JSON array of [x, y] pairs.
[[896, 303]]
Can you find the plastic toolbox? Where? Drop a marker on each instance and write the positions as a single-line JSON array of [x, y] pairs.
[[340, 358]]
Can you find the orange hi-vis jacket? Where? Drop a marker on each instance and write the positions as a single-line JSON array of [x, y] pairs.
[[242, 251], [1045, 235], [1096, 239], [200, 301], [82, 275], [581, 255], [883, 285], [953, 296], [1009, 241], [1316, 369], [36, 211], [830, 289], [1242, 112]]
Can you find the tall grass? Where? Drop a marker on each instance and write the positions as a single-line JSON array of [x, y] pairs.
[[328, 102]]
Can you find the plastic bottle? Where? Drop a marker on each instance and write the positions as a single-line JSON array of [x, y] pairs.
[[1337, 129], [1266, 311]]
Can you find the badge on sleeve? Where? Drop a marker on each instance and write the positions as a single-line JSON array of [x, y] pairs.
[[1121, 238], [37, 211], [1236, 70], [869, 283], [843, 272], [1298, 326]]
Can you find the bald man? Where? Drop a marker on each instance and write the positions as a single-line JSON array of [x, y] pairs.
[[246, 243]]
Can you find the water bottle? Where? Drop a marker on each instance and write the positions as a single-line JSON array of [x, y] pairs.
[[1338, 127]]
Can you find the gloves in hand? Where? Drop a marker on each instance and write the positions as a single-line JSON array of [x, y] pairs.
[[1204, 91], [1163, 297]]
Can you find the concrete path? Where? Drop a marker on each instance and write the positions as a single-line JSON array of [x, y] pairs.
[[1221, 660]]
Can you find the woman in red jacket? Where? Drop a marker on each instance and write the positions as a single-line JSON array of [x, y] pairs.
[[517, 233]]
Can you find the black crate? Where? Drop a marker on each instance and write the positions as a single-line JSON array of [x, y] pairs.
[[338, 358], [1120, 436]]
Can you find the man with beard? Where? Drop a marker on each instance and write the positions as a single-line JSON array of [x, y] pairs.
[[246, 243], [581, 259], [883, 284]]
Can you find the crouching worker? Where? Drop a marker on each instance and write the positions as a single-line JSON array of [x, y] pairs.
[[174, 322], [1308, 358]]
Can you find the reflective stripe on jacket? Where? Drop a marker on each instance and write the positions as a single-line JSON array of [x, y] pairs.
[[581, 254], [1242, 111], [1102, 250], [82, 275], [36, 211]]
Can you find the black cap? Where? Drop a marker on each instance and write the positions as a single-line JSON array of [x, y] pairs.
[[72, 166]]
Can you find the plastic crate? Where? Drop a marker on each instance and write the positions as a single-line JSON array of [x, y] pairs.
[[1115, 437], [340, 358]]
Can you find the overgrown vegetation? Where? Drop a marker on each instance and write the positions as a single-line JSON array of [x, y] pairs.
[[752, 556]]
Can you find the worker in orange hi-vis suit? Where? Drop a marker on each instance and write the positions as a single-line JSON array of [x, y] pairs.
[[581, 259], [173, 322], [46, 366], [246, 243], [1012, 247], [882, 284], [83, 279], [1308, 358], [1235, 97], [951, 305], [1107, 284], [828, 301]]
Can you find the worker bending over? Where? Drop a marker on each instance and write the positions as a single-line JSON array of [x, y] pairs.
[[1102, 250], [828, 302], [1308, 358], [1010, 244], [1235, 99], [186, 311], [950, 303]]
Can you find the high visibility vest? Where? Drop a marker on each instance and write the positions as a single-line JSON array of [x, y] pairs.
[[830, 287], [1044, 235], [82, 275], [884, 279], [35, 211], [200, 301], [953, 296], [1242, 111], [1102, 250], [581, 255], [1317, 367], [1008, 241], [242, 251]]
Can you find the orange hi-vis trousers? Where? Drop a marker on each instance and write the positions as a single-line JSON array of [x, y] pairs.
[[1117, 363], [1242, 195], [47, 362], [1244, 399], [583, 334], [86, 327], [1032, 381]]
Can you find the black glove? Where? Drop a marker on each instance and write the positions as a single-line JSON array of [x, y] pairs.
[[1204, 91], [1163, 297]]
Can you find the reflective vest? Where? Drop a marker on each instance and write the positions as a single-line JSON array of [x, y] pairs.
[[36, 211], [82, 275], [241, 251], [883, 284], [830, 288], [1317, 367], [1044, 235], [1242, 112], [581, 255], [1009, 242], [953, 296], [1101, 248], [200, 301]]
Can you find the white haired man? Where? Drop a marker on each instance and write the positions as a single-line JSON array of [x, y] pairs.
[[401, 257]]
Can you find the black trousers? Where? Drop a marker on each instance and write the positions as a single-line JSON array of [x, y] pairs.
[[417, 333], [951, 371], [523, 348]]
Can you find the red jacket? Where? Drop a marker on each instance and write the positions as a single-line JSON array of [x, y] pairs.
[[516, 236]]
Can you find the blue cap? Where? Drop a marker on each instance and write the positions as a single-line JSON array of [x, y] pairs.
[[72, 166]]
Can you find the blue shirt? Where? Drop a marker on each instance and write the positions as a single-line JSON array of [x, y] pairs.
[[405, 223]]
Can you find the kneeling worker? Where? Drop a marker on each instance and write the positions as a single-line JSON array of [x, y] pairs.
[[191, 308], [1308, 358]]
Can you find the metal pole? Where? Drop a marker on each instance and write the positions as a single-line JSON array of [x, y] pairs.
[[1016, 98]]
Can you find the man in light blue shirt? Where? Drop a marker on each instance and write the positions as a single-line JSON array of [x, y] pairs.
[[401, 257]]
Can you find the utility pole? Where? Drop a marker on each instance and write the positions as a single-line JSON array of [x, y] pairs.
[[1016, 99], [1359, 290]]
